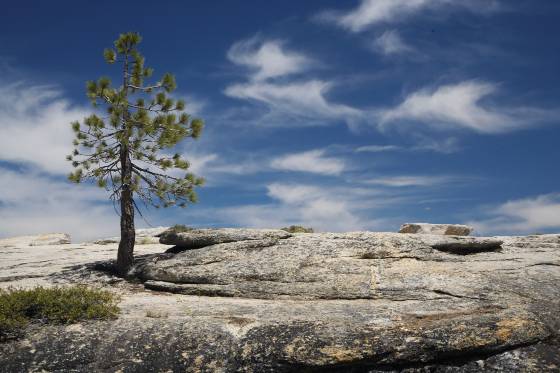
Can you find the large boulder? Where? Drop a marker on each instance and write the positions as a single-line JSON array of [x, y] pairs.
[[36, 240], [197, 238], [440, 229], [357, 302], [327, 266]]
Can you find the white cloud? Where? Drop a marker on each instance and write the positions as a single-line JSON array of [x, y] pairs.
[[215, 166], [409, 181], [391, 43], [200, 163], [32, 203], [313, 161], [35, 125], [323, 208], [326, 208], [267, 59], [35, 136], [300, 102], [378, 148], [303, 99], [460, 106], [373, 12], [293, 193], [523, 216], [445, 146], [193, 105]]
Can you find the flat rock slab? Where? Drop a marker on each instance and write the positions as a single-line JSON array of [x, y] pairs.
[[441, 229], [36, 240], [197, 238], [359, 265], [356, 302]]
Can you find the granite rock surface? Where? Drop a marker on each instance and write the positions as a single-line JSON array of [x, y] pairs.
[[344, 302], [441, 229]]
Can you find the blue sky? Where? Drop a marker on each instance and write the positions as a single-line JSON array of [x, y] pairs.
[[343, 116]]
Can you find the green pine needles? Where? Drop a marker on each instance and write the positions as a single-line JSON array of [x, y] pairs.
[[142, 120], [125, 148]]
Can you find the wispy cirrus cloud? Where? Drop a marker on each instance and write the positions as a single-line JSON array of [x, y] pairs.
[[463, 106], [35, 123], [373, 12], [411, 181], [520, 216], [32, 203], [379, 148], [290, 100], [325, 208], [391, 43], [35, 137], [313, 161], [268, 59], [444, 146]]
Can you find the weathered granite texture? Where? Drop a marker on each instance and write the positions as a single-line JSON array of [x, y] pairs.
[[197, 238], [442, 229], [329, 266], [352, 302], [36, 240]]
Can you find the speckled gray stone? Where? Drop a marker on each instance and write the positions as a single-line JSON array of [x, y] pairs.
[[343, 302], [441, 229]]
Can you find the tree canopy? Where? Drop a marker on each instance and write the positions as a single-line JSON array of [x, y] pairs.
[[125, 145], [145, 120]]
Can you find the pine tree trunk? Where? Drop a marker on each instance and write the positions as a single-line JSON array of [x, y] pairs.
[[125, 257]]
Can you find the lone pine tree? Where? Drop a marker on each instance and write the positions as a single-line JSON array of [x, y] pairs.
[[124, 149]]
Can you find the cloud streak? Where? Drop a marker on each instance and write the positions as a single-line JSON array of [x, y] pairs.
[[390, 43], [313, 161], [444, 146], [411, 181], [32, 203], [463, 106], [35, 123], [267, 59], [370, 13], [527, 215], [270, 82], [321, 207]]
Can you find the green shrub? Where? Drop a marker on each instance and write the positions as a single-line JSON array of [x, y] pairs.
[[179, 228], [58, 305], [297, 229]]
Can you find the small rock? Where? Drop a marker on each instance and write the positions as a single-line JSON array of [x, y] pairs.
[[440, 229]]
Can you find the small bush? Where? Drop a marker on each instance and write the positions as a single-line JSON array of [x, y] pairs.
[[58, 305], [297, 229], [179, 228]]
